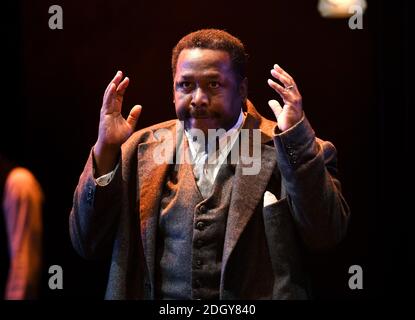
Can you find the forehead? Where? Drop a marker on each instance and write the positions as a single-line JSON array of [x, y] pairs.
[[199, 60]]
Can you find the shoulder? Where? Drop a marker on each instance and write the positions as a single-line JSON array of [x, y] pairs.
[[147, 134], [21, 183], [254, 120]]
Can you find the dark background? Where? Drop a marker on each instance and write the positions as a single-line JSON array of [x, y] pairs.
[[355, 86]]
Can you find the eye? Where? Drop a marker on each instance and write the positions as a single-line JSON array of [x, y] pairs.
[[214, 84], [185, 85]]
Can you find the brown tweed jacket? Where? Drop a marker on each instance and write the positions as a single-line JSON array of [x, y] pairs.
[[263, 244]]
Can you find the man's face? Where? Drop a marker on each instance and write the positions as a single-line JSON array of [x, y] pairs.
[[206, 92]]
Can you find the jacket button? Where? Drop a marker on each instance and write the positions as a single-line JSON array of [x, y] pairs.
[[89, 196], [203, 209]]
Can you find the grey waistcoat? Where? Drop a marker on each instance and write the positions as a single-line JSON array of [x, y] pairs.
[[190, 235]]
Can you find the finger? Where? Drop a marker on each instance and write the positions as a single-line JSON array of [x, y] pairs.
[[107, 105], [289, 80], [117, 93], [115, 80], [281, 77], [283, 72], [276, 107], [277, 87], [123, 86], [134, 115], [118, 76]]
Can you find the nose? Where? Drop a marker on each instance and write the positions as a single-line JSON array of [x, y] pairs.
[[199, 98]]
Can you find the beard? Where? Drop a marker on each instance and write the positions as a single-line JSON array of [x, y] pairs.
[[201, 118]]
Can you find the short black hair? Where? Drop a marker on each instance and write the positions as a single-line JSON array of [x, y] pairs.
[[214, 39]]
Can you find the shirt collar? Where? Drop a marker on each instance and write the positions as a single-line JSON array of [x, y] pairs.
[[226, 141]]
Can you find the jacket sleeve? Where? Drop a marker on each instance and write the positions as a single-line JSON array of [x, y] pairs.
[[308, 168], [96, 210], [94, 215]]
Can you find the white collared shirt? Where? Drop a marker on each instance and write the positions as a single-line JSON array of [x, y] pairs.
[[206, 164]]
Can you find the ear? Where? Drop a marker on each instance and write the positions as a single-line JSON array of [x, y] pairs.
[[172, 91], [243, 89]]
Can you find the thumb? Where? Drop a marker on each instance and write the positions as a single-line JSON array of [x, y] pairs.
[[134, 115], [276, 107]]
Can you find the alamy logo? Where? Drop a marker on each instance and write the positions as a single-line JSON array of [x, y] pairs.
[[356, 280], [56, 280], [246, 149], [56, 20], [356, 20]]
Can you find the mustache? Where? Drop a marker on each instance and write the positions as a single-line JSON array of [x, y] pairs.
[[201, 112]]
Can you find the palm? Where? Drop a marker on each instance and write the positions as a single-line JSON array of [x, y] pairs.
[[113, 128], [288, 117]]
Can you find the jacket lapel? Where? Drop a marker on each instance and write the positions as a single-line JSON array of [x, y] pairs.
[[247, 193], [151, 179], [248, 190]]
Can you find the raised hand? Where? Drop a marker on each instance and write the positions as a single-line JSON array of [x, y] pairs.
[[292, 111], [114, 130]]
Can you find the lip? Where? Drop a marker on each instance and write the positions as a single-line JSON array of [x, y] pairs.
[[199, 114]]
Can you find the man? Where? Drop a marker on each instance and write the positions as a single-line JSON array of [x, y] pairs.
[[206, 230], [21, 206]]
